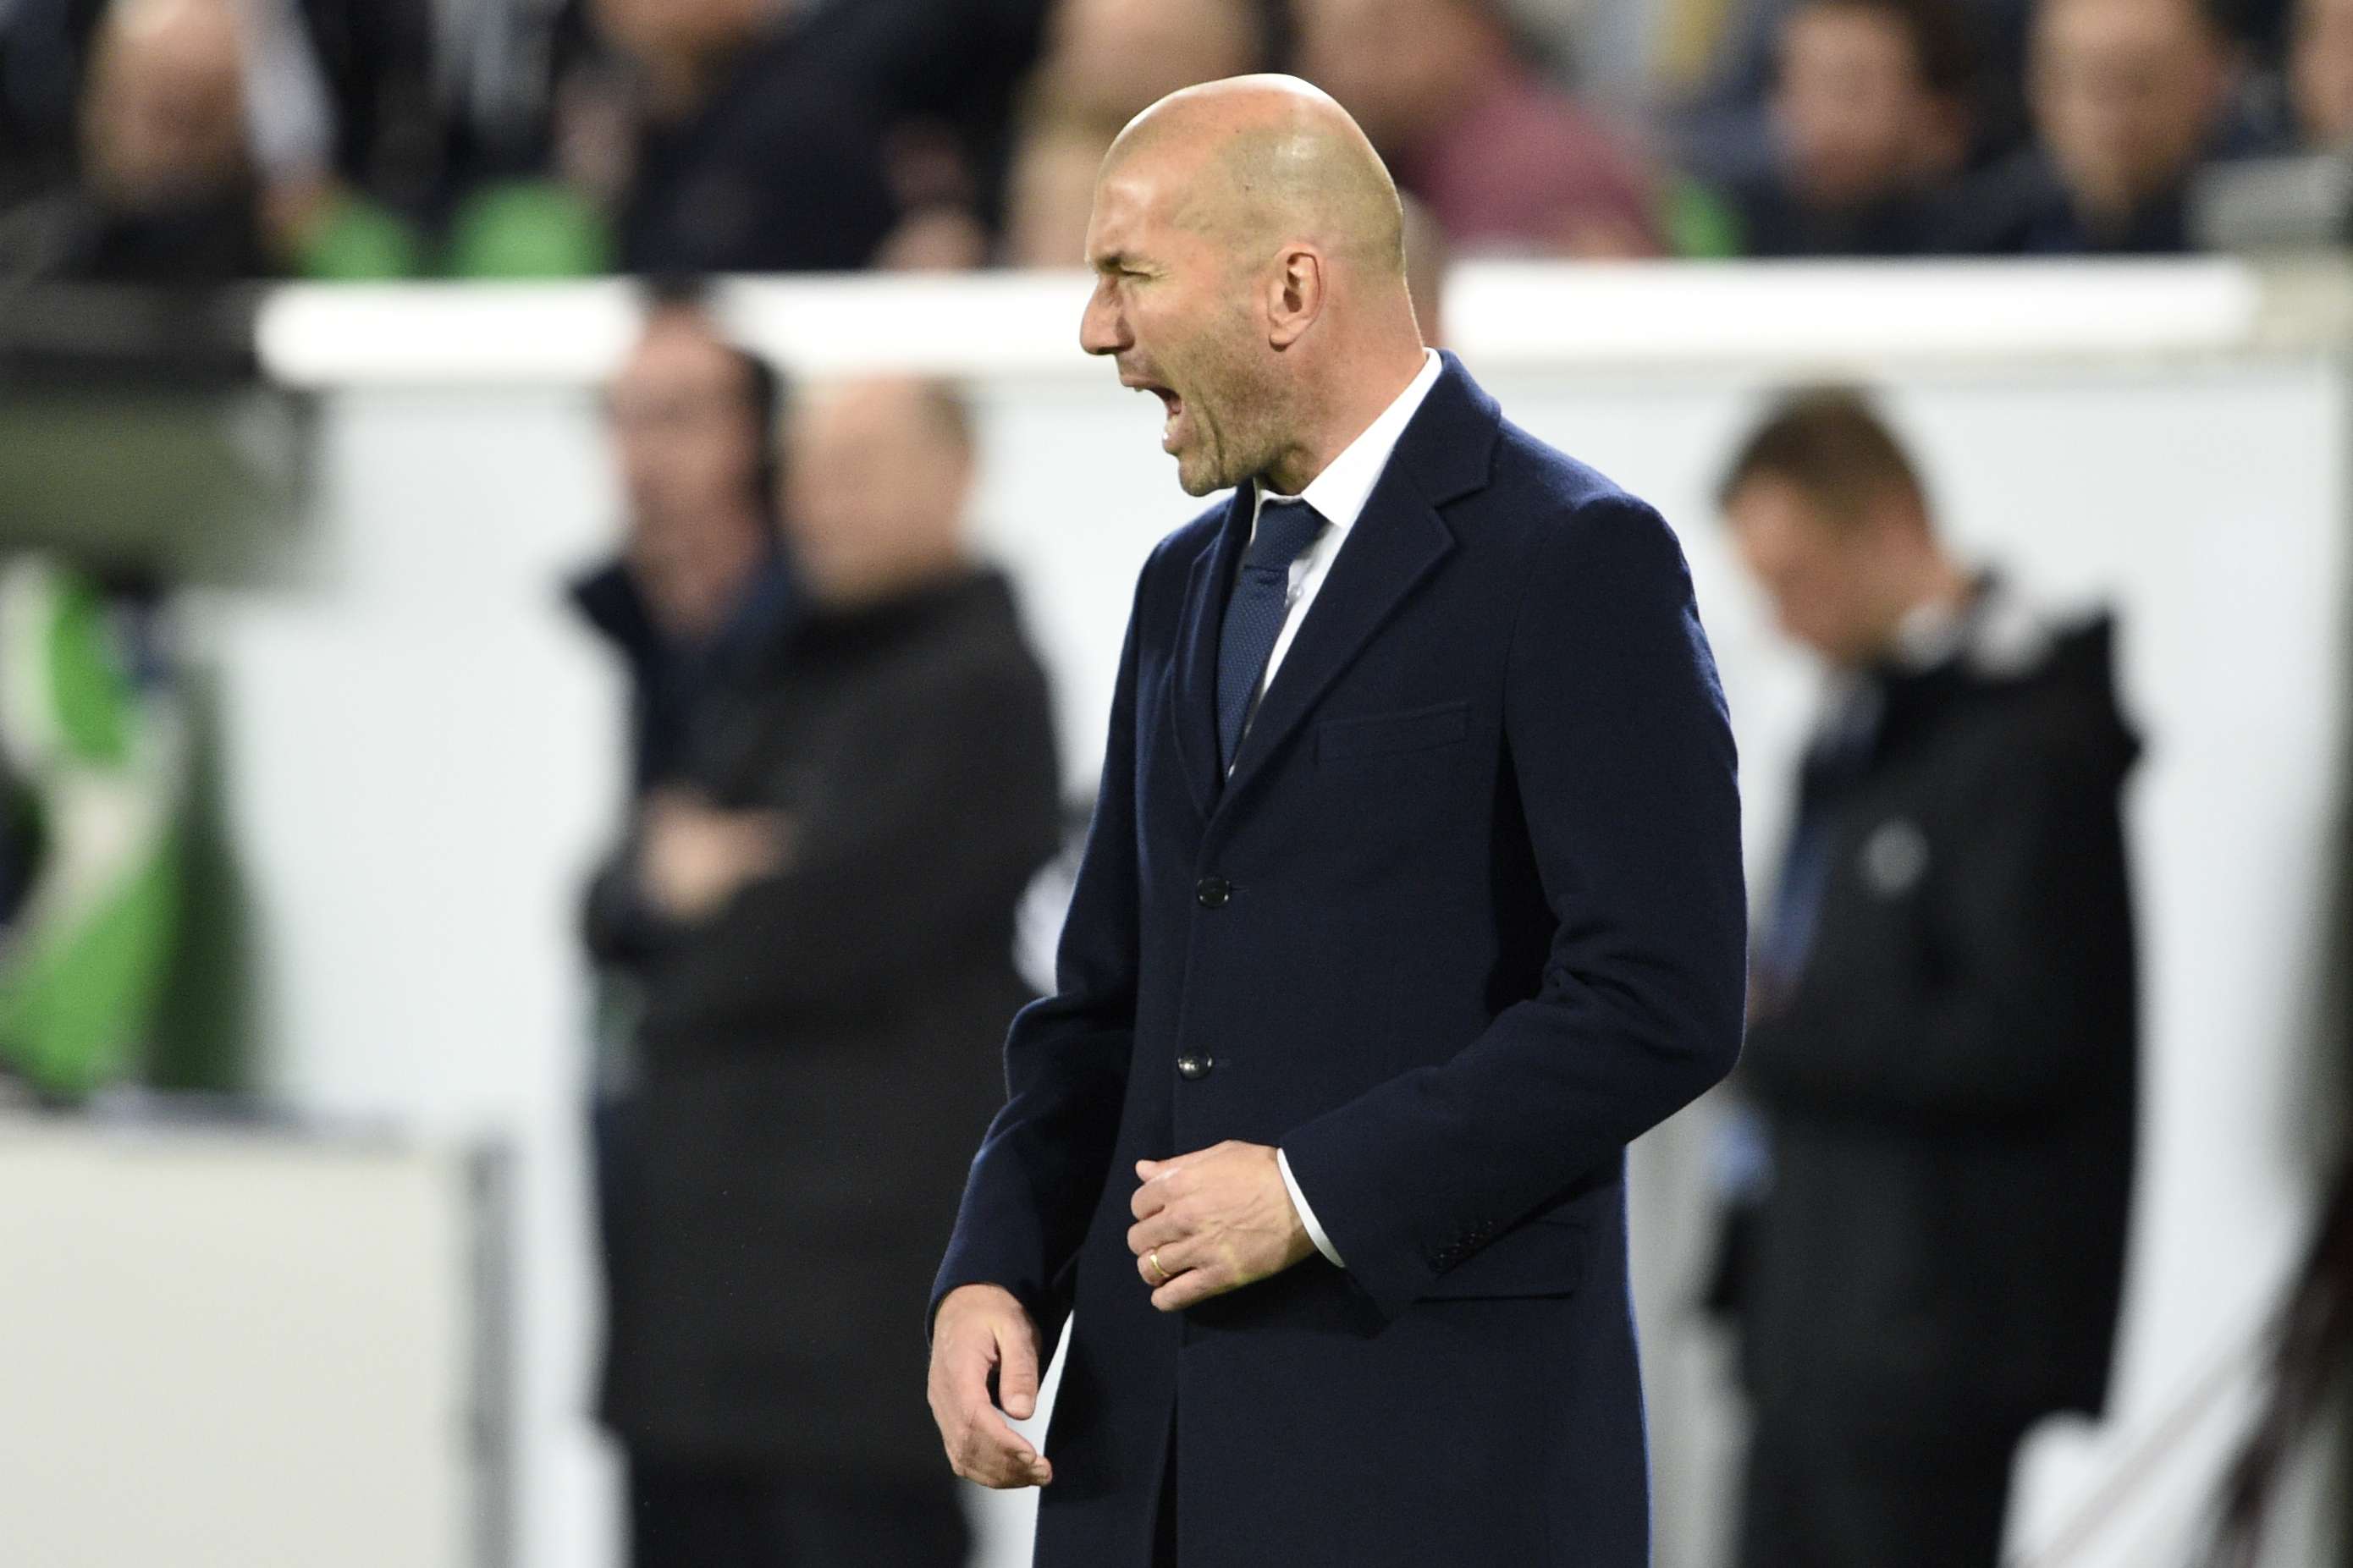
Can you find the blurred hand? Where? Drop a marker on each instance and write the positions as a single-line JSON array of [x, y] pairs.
[[695, 858], [980, 1329], [1218, 1220]]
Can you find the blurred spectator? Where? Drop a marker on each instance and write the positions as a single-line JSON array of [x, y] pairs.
[[785, 135], [1942, 1023], [736, 147], [1726, 135], [200, 141], [1872, 117], [1106, 61], [167, 191], [2128, 96], [818, 900], [1505, 162], [2320, 74]]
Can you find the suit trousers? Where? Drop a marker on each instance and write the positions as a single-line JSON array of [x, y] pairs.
[[697, 1516], [1827, 1492]]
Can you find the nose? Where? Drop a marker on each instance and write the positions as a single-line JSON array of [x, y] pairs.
[[1102, 328]]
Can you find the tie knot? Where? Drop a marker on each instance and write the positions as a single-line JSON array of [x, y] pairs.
[[1284, 529]]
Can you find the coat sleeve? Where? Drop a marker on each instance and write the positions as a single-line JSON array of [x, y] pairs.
[[1619, 745], [943, 809], [1042, 1168], [2018, 1015]]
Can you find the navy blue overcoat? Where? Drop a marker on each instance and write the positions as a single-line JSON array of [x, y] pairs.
[[1465, 919]]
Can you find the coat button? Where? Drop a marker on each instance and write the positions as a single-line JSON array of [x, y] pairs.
[[1213, 892], [1193, 1066]]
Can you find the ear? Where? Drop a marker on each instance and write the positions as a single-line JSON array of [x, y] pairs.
[[1295, 294]]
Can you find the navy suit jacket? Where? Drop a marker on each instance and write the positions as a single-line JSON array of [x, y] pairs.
[[1465, 919]]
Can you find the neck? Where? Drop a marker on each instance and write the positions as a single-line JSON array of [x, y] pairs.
[[1354, 400]]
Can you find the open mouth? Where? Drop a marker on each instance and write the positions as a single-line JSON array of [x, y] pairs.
[[1171, 403]]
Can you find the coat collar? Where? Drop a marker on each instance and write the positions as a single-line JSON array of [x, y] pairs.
[[1447, 452]]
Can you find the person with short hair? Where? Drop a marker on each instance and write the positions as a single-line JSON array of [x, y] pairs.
[[2128, 98], [1943, 1024], [1873, 110]]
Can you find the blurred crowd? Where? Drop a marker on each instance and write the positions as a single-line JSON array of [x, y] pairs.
[[193, 141]]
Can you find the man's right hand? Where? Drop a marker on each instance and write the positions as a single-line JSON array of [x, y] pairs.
[[980, 1329]]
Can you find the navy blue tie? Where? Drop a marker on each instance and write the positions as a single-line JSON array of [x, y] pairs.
[[1254, 614]]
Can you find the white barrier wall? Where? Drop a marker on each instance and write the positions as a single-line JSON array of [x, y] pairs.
[[229, 1349], [423, 752]]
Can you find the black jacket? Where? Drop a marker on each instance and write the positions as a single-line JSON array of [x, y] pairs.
[[1465, 916], [818, 1058], [1949, 1082]]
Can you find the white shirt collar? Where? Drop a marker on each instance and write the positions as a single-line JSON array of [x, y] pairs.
[[1339, 494]]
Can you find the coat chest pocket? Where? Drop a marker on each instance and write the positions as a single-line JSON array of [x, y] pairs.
[[1416, 730]]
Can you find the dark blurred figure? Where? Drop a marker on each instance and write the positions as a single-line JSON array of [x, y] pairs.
[[820, 901], [1872, 120], [1942, 1036], [1505, 162], [788, 135], [2128, 98]]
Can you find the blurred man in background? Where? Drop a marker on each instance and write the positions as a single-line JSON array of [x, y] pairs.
[[1505, 160], [819, 895], [1872, 111], [2128, 98], [1942, 1029], [692, 420]]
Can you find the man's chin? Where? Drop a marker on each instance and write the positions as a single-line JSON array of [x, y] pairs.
[[1199, 478]]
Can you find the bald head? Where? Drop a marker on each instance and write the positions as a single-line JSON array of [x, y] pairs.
[[1262, 159], [1250, 263], [879, 472]]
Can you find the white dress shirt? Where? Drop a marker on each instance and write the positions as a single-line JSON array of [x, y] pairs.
[[1338, 495]]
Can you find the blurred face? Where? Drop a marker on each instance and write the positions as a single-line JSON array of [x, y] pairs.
[[1176, 313], [1398, 66], [164, 120], [688, 444], [880, 480], [1822, 574], [2320, 72], [1112, 60], [2126, 93], [1858, 119]]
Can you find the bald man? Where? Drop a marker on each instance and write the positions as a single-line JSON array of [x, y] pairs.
[[1413, 894]]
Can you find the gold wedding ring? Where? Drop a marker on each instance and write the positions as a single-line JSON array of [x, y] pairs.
[[1153, 1258]]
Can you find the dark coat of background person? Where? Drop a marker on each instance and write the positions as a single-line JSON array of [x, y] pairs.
[[1949, 1085], [1465, 919], [818, 1057]]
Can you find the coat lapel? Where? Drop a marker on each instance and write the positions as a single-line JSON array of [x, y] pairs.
[[1446, 452], [1196, 694]]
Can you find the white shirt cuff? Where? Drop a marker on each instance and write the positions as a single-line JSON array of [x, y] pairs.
[[1306, 1215]]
